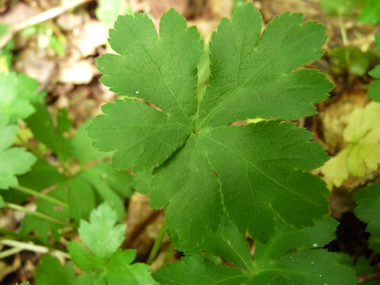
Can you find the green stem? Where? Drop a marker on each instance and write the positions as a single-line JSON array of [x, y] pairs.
[[157, 244], [29, 147], [39, 194], [343, 30], [38, 214], [13, 235], [170, 252]]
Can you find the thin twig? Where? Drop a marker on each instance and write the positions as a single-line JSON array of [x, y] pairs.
[[31, 247], [368, 277], [157, 244], [42, 17]]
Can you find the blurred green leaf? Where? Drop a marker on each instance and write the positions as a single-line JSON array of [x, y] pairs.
[[18, 92], [14, 160], [52, 135], [351, 58], [50, 271], [370, 12], [82, 148], [108, 10]]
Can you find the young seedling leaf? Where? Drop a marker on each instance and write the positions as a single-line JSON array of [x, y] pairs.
[[202, 165], [18, 92], [100, 235], [14, 160], [104, 262], [374, 87], [362, 154], [50, 271]]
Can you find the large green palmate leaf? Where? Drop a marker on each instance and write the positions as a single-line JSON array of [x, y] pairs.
[[291, 256], [202, 166]]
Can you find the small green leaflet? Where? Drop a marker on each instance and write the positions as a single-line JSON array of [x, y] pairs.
[[104, 263], [374, 87], [291, 256], [18, 92], [15, 160], [202, 165]]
